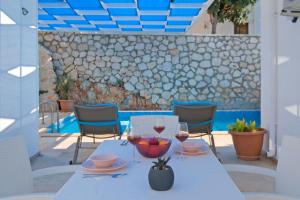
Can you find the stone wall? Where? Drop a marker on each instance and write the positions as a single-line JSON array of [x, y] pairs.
[[47, 76], [147, 71]]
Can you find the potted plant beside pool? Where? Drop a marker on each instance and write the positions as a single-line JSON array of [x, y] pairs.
[[161, 175], [63, 88], [247, 139]]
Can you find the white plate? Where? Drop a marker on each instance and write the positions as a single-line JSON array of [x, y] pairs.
[[202, 150], [89, 166]]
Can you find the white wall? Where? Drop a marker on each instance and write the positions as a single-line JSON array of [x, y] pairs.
[[288, 76], [203, 26], [19, 72], [255, 19], [280, 73]]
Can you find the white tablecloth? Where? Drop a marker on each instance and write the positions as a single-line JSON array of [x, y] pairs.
[[199, 178]]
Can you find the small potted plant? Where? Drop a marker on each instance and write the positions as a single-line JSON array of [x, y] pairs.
[[63, 88], [247, 139], [161, 175]]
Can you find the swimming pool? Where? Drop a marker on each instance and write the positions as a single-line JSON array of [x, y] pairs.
[[223, 118]]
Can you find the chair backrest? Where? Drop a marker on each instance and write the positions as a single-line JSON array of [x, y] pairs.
[[199, 117], [144, 125], [288, 171], [97, 119], [15, 170]]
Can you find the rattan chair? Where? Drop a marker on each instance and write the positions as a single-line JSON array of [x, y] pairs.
[[95, 121], [199, 116]]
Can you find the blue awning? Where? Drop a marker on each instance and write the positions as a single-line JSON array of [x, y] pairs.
[[119, 15]]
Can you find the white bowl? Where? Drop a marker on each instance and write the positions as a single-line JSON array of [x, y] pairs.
[[191, 146], [104, 160]]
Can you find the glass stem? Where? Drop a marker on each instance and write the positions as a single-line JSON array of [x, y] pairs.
[[181, 152], [134, 154]]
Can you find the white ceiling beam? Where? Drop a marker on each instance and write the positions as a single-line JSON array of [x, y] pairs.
[[51, 22], [186, 5], [180, 18], [115, 18], [65, 29], [102, 22], [91, 12], [78, 17], [42, 12], [176, 26], [154, 12], [118, 5], [110, 29], [153, 30], [130, 26], [83, 26], [54, 5], [153, 22], [44, 25]]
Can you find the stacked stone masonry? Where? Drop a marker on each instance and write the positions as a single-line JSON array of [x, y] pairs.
[[151, 70]]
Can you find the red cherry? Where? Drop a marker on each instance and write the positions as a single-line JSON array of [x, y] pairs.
[[153, 151], [153, 141], [143, 148]]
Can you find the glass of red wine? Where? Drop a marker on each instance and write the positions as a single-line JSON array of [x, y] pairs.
[[159, 126], [183, 134], [133, 139]]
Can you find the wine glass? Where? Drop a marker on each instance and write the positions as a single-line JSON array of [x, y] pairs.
[[133, 139], [183, 134], [159, 125]]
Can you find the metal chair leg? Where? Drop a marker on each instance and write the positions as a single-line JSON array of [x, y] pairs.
[[115, 134], [118, 134], [212, 142], [78, 145]]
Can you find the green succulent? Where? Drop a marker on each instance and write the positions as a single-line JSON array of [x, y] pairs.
[[161, 163], [64, 86], [242, 126]]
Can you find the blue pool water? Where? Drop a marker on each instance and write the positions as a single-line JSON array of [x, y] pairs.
[[222, 119]]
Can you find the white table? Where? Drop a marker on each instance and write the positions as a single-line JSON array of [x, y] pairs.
[[198, 177]]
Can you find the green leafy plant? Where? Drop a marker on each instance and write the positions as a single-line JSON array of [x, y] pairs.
[[242, 126], [235, 11], [64, 86], [161, 163], [120, 83]]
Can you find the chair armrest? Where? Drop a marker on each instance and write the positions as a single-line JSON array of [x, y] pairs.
[[266, 196], [34, 196], [250, 169], [55, 170]]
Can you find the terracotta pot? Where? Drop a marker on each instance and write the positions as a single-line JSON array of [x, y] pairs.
[[66, 105], [248, 145]]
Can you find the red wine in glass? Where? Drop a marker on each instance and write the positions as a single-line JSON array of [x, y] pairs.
[[159, 129], [182, 136], [133, 139]]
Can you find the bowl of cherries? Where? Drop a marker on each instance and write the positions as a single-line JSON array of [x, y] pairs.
[[153, 147]]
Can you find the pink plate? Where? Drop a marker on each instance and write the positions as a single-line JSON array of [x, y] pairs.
[[104, 160], [191, 146], [201, 151], [89, 166]]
